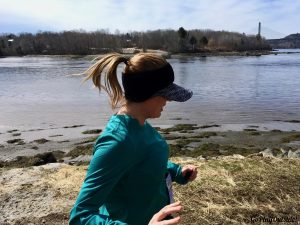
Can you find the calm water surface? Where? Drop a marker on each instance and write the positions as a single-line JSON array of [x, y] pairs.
[[36, 91]]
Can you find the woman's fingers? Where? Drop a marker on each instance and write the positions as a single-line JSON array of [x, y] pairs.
[[158, 218], [175, 220], [194, 174], [190, 172], [168, 210]]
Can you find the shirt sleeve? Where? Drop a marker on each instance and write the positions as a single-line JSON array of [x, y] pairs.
[[175, 171], [112, 158]]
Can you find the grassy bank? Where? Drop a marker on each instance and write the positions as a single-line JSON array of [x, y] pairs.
[[227, 191], [234, 191]]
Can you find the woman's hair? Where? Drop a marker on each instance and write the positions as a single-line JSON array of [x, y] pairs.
[[106, 68]]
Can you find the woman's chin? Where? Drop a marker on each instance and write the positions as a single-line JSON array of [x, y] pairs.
[[157, 115]]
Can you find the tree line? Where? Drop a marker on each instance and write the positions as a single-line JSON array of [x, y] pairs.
[[80, 42]]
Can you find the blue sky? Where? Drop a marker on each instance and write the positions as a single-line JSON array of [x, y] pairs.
[[278, 17]]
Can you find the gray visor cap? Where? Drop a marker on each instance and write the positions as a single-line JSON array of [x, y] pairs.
[[174, 92]]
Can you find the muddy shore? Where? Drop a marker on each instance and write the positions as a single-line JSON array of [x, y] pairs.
[[75, 143]]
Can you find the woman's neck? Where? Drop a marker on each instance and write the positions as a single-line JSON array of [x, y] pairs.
[[134, 110]]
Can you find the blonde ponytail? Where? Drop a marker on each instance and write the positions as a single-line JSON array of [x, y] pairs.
[[107, 65]]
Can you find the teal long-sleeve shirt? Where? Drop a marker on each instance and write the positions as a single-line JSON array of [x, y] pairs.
[[125, 181]]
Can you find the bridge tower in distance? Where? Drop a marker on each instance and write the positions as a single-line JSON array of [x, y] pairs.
[[258, 36]]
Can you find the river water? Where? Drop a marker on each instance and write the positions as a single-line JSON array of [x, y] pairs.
[[37, 92]]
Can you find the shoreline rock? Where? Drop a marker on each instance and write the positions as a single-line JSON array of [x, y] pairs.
[[186, 140]]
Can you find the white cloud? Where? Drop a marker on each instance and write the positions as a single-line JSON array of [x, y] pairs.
[[126, 15]]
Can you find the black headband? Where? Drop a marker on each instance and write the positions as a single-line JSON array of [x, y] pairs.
[[140, 86]]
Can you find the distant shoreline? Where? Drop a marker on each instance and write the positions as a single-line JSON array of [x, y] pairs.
[[174, 55]]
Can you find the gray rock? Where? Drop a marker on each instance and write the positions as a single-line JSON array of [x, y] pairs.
[[189, 148], [267, 153], [295, 154], [290, 154], [200, 158], [223, 151], [193, 145], [51, 166], [234, 156], [186, 158], [284, 153], [237, 156]]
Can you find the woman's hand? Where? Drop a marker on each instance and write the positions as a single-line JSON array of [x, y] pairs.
[[189, 172], [158, 218]]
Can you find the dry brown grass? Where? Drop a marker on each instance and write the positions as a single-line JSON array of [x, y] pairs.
[[227, 191], [235, 191]]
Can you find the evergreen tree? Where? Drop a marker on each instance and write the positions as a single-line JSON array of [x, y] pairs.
[[204, 41], [193, 41], [183, 34]]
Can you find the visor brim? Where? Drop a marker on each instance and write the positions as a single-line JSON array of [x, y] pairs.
[[175, 92]]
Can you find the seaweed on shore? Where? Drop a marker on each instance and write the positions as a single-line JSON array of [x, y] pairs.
[[254, 133], [81, 150], [210, 150], [205, 134], [12, 131], [56, 135], [41, 141], [88, 140], [74, 126], [36, 160], [250, 129], [17, 141], [183, 128], [276, 131], [291, 137], [94, 131], [292, 121], [209, 126]]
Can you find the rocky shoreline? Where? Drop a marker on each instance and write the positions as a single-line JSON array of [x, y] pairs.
[[230, 188], [242, 174], [185, 140]]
